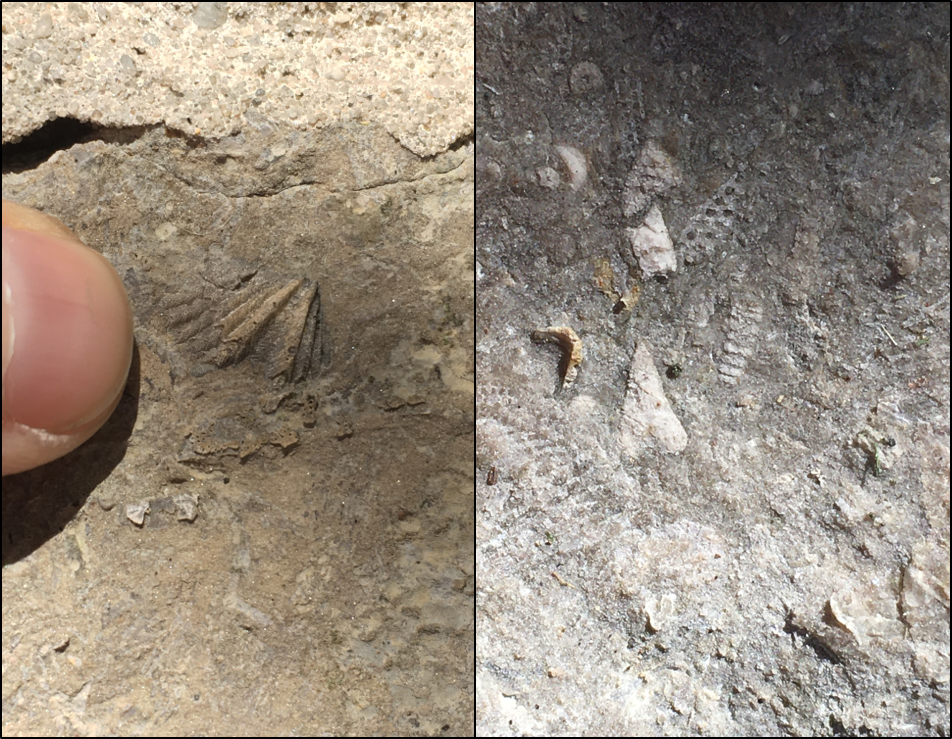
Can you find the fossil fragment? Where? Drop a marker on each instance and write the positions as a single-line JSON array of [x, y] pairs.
[[629, 300], [713, 224], [575, 161], [245, 323], [907, 238], [186, 506], [586, 78], [743, 327], [652, 245], [802, 269], [866, 612], [651, 175], [646, 411], [604, 278], [277, 324], [660, 611], [548, 178], [137, 511], [571, 346]]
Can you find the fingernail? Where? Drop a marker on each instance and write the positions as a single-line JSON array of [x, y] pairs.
[[71, 332]]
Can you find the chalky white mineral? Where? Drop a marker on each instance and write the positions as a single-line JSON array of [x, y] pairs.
[[652, 245], [646, 411]]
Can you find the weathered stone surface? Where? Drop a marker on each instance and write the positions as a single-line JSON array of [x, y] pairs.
[[209, 69], [785, 572], [288, 480]]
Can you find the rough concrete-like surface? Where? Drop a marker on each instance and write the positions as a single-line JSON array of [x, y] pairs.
[[273, 534], [783, 567], [200, 68]]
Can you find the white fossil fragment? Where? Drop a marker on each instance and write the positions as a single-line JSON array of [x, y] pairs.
[[651, 243], [135, 512], [575, 161], [652, 174], [660, 611], [646, 411], [743, 327], [186, 506], [866, 612]]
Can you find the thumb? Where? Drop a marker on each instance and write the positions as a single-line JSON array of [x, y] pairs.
[[67, 339]]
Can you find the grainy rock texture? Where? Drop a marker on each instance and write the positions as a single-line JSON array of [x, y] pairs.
[[207, 68], [783, 569]]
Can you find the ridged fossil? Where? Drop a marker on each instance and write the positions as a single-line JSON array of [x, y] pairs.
[[276, 324], [743, 327]]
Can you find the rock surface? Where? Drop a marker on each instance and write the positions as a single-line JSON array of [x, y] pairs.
[[787, 571], [207, 69]]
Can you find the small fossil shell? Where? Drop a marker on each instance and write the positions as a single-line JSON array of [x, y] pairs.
[[136, 512], [571, 346], [577, 166], [186, 506], [743, 327]]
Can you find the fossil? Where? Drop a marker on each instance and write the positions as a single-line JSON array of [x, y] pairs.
[[277, 324], [647, 411], [571, 346], [652, 175], [240, 345], [713, 225], [652, 245], [586, 78], [576, 164], [604, 278], [743, 327]]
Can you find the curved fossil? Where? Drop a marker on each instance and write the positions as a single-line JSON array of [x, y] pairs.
[[571, 346]]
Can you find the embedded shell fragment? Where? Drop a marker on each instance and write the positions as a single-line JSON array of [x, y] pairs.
[[274, 322], [652, 245], [647, 412], [577, 166], [571, 346]]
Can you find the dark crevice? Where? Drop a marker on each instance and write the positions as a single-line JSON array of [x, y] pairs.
[[462, 141], [59, 134]]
